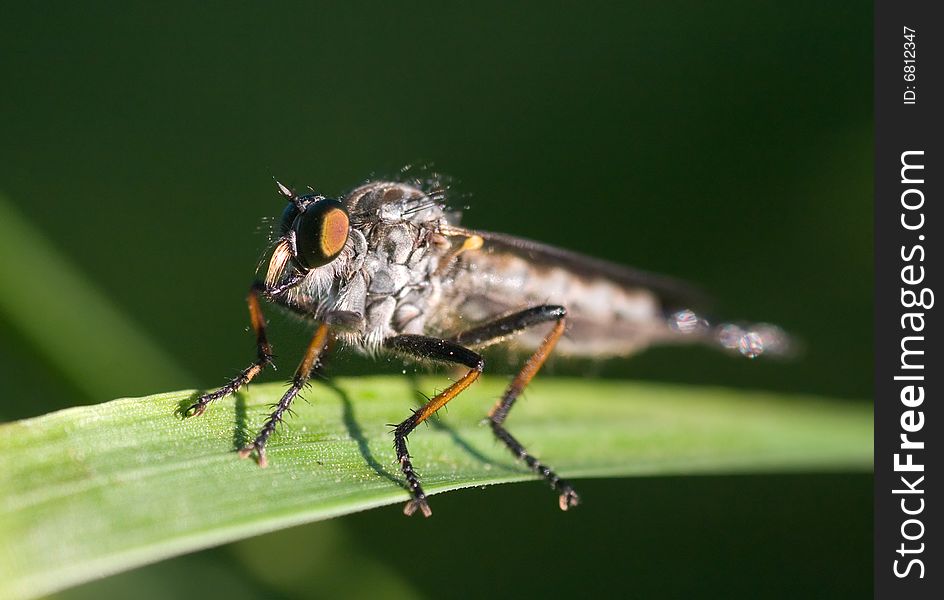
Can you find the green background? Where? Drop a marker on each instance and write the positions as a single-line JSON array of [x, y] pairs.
[[728, 144]]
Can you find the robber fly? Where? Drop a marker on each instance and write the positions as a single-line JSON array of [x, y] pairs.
[[388, 269]]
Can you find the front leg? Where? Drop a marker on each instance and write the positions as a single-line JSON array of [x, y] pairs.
[[263, 354], [263, 348], [443, 351], [317, 345]]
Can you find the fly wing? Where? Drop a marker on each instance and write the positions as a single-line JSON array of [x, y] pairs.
[[612, 309], [673, 293]]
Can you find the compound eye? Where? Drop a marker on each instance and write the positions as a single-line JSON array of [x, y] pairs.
[[320, 232], [288, 218]]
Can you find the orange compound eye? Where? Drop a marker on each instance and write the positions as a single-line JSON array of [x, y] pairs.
[[334, 227], [321, 232]]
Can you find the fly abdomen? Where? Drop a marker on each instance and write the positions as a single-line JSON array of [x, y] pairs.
[[612, 310], [605, 318]]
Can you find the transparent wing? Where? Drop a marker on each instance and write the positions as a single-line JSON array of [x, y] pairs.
[[672, 293]]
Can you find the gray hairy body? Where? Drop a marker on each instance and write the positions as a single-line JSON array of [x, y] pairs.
[[404, 270], [388, 268]]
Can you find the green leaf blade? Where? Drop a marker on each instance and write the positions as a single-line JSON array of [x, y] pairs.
[[94, 490]]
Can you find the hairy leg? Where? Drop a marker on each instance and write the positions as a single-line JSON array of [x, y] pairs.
[[506, 326], [442, 351], [263, 355], [302, 373]]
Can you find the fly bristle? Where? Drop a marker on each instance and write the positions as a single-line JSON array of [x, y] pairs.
[[281, 256], [421, 207]]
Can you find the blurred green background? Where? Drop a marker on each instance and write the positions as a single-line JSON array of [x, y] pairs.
[[729, 144]]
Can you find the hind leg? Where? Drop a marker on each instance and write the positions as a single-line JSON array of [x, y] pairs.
[[507, 326]]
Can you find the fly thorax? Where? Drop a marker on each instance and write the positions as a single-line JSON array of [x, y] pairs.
[[400, 287]]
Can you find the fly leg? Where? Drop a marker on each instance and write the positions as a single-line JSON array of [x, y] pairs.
[[441, 351], [507, 326], [309, 360], [263, 355], [320, 370]]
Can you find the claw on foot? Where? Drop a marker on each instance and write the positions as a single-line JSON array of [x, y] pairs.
[[195, 410], [260, 454], [420, 504], [569, 498]]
